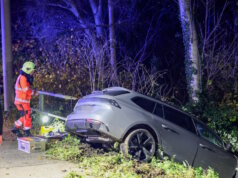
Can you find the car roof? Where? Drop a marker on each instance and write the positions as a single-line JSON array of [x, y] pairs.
[[116, 89], [122, 90]]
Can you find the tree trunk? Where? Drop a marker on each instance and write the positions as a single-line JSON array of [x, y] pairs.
[[97, 13], [236, 33], [192, 69], [112, 41], [6, 54]]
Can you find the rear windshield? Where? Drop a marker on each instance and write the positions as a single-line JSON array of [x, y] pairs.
[[115, 93]]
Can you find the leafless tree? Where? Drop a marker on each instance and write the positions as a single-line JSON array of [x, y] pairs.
[[218, 55], [112, 40], [95, 28], [191, 49]]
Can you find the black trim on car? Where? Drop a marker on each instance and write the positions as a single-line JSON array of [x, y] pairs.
[[144, 103], [115, 93], [151, 106]]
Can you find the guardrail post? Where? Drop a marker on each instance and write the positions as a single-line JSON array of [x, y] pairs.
[[41, 102]]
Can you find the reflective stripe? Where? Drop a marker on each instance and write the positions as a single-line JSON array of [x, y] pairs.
[[26, 128], [18, 78], [22, 89], [18, 123], [21, 100]]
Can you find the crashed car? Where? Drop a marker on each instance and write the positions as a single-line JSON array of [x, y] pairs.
[[143, 125]]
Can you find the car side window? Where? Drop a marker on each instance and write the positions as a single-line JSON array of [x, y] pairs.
[[158, 110], [144, 103], [179, 119], [207, 134]]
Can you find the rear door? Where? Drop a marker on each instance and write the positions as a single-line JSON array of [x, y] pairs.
[[212, 154], [178, 134]]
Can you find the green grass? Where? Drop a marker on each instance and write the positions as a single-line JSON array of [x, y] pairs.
[[112, 164], [68, 149], [116, 165]]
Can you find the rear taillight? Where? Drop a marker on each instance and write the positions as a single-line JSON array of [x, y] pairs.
[[94, 124]]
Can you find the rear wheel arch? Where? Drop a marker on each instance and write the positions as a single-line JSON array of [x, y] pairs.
[[141, 126], [140, 142]]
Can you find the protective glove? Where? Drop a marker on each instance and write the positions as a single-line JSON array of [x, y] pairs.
[[35, 93]]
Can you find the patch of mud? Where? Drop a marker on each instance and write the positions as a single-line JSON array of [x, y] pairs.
[[146, 170]]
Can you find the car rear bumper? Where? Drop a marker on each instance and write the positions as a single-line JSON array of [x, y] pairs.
[[92, 131]]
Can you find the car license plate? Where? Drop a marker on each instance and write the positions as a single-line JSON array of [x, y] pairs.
[[81, 123]]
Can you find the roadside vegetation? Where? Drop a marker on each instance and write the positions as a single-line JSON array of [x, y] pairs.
[[97, 162], [221, 116]]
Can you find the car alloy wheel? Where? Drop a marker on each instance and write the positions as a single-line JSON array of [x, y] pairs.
[[140, 144]]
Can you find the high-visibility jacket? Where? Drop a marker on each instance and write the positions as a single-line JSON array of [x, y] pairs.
[[23, 90]]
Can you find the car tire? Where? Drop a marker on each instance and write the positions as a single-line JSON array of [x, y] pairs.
[[140, 144]]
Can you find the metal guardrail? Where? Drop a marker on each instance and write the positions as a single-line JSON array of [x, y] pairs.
[[49, 114], [41, 103], [66, 97]]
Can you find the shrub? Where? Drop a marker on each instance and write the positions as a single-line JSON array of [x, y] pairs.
[[67, 149], [220, 116], [231, 138]]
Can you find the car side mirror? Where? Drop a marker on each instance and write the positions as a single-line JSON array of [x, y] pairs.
[[228, 147]]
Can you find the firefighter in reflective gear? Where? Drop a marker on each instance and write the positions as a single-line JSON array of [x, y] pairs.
[[23, 93]]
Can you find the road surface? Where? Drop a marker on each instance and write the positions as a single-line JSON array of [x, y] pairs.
[[18, 164]]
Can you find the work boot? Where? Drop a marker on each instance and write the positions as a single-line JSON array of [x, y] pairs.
[[16, 131], [27, 133]]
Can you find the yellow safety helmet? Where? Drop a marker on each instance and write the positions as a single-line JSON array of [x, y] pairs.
[[28, 67]]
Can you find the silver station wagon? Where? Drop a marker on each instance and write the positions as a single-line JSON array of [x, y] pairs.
[[144, 125]]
